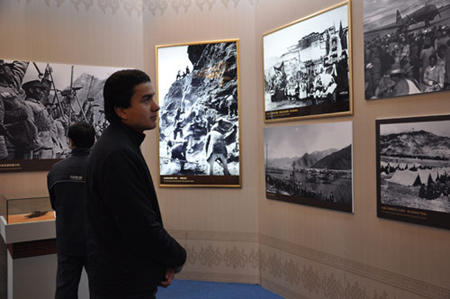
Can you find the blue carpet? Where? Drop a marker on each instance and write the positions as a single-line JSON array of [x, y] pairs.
[[189, 289]]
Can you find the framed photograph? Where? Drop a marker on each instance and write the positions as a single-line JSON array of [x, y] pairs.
[[310, 165], [38, 103], [413, 170], [198, 92], [307, 67], [406, 44]]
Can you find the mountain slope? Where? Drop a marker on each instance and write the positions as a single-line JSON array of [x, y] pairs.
[[340, 160], [415, 144]]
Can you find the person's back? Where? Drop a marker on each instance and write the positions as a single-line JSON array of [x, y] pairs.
[[68, 198], [67, 190]]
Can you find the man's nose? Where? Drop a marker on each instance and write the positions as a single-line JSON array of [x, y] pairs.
[[155, 106]]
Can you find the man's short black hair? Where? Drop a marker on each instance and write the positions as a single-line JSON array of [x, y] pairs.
[[119, 89], [82, 134]]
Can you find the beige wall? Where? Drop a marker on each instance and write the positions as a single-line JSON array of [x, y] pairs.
[[58, 31], [218, 226], [237, 234], [357, 256]]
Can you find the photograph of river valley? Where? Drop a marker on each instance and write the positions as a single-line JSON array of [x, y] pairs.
[[310, 165]]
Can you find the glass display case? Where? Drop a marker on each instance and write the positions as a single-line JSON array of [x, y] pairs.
[[26, 209]]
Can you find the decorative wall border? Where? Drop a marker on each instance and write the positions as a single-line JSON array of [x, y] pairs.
[[386, 277], [213, 256], [234, 257], [218, 277], [215, 236], [137, 7]]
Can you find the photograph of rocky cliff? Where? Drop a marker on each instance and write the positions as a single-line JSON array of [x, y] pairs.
[[39, 102], [414, 170], [198, 91], [311, 165]]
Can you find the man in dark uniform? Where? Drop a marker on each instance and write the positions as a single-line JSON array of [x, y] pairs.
[[67, 189], [232, 106], [17, 131], [129, 251], [179, 152], [178, 129], [37, 91]]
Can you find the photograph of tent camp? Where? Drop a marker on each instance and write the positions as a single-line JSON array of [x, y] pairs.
[[414, 170]]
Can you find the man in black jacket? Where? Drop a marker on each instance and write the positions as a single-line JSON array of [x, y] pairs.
[[129, 251], [67, 190]]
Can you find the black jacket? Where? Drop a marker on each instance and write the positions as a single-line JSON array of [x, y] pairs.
[[67, 190], [128, 248]]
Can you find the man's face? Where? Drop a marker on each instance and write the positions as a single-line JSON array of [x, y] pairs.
[[142, 115], [432, 61], [395, 77], [38, 92]]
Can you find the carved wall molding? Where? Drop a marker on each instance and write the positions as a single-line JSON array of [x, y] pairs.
[[286, 267], [215, 236], [218, 277], [386, 277], [350, 292], [137, 7]]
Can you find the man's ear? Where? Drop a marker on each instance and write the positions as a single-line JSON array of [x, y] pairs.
[[121, 112]]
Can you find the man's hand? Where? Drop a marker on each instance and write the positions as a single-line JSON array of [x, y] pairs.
[[170, 274]]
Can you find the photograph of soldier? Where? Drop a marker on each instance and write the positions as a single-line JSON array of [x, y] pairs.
[[412, 37], [36, 93], [18, 134], [199, 128], [38, 103], [179, 153], [310, 165], [216, 150], [306, 66]]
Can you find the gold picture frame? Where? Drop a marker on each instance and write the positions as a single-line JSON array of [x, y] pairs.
[[307, 68], [198, 91]]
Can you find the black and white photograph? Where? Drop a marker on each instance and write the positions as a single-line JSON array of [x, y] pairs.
[[307, 67], [39, 101], [311, 165], [413, 157], [407, 47], [198, 91]]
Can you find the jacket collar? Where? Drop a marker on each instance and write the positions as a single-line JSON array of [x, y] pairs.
[[81, 151], [135, 136]]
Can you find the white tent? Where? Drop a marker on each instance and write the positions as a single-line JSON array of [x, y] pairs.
[[406, 178], [426, 174]]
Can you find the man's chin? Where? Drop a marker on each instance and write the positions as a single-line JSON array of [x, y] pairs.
[[151, 127]]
